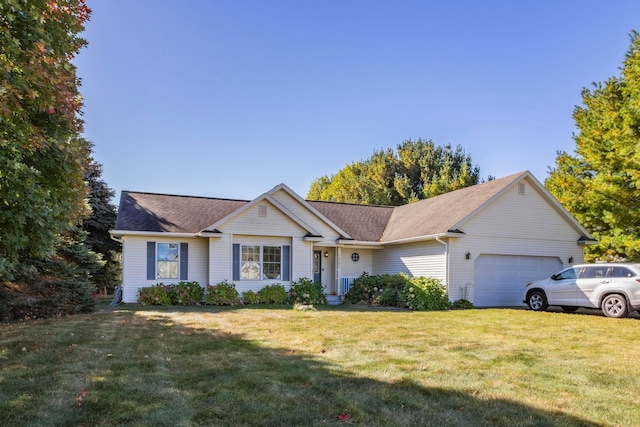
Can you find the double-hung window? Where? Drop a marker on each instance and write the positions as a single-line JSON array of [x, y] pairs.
[[272, 263], [250, 267], [260, 262], [167, 261]]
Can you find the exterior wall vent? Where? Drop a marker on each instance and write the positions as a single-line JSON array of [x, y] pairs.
[[521, 188], [262, 211]]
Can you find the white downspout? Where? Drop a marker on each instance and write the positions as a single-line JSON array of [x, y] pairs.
[[446, 256]]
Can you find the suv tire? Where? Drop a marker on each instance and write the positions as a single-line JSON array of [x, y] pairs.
[[537, 301], [614, 305]]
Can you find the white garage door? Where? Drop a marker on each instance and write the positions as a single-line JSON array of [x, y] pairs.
[[500, 279]]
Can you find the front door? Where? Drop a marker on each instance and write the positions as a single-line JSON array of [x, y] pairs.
[[317, 266]]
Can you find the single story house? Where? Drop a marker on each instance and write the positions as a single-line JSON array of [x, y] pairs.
[[484, 242]]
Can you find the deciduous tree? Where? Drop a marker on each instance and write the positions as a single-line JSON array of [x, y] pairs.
[[42, 190], [600, 182], [415, 170]]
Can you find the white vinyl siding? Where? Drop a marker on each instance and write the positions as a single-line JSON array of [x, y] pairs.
[[425, 259], [134, 264], [348, 268]]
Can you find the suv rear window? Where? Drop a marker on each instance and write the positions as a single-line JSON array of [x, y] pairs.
[[621, 272]]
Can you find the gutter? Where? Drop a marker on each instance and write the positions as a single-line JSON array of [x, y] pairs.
[[348, 242], [446, 254], [423, 238], [121, 233]]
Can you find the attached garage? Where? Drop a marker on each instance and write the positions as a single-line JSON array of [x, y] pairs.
[[500, 279]]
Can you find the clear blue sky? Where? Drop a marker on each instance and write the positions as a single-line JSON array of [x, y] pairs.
[[230, 98]]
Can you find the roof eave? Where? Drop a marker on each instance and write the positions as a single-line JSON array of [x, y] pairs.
[[122, 233], [448, 234], [587, 241], [351, 242]]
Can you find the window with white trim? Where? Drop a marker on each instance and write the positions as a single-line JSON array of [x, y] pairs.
[[258, 262], [167, 258]]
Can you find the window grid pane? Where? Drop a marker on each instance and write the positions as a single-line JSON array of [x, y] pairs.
[[250, 265], [272, 262], [167, 260]]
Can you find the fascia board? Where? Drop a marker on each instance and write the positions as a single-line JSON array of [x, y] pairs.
[[124, 233], [422, 238]]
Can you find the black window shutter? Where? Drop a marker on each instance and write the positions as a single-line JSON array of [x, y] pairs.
[[151, 260], [236, 261], [184, 261], [286, 263]]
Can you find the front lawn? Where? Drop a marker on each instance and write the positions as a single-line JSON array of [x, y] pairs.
[[175, 366]]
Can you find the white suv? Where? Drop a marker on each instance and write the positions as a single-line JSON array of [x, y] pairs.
[[613, 288]]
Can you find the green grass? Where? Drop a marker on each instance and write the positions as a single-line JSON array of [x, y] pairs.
[[274, 366]]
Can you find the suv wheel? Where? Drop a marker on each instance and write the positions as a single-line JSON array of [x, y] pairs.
[[614, 305], [537, 301]]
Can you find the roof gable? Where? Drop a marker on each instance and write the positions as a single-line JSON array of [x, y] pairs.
[[262, 198]]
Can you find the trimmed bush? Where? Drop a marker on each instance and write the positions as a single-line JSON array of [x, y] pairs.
[[223, 293], [305, 292], [384, 290], [272, 294], [250, 297], [183, 293], [155, 295], [425, 293], [187, 293], [418, 293]]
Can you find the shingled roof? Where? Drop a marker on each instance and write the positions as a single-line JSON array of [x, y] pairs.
[[150, 212], [364, 223], [172, 214], [441, 214]]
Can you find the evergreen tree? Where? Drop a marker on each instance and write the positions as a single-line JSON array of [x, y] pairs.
[[97, 226], [600, 182]]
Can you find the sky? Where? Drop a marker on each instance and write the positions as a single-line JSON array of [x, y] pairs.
[[231, 98]]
